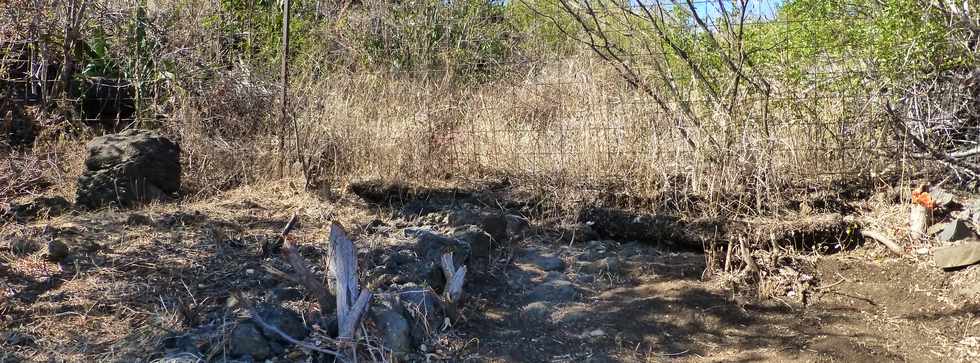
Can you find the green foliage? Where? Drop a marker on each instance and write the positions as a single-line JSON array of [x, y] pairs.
[[100, 62], [468, 39], [899, 38], [253, 29], [543, 23]]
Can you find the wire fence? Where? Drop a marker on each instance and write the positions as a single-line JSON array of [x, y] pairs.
[[552, 115]]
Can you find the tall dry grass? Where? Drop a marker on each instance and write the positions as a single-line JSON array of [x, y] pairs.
[[568, 123], [573, 123]]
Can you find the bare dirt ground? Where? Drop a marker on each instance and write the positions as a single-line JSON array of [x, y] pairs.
[[136, 279]]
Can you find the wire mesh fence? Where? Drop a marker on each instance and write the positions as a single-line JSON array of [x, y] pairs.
[[544, 115]]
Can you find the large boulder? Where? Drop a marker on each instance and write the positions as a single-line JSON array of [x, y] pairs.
[[129, 168]]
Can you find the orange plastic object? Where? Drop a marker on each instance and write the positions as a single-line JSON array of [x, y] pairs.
[[923, 199]]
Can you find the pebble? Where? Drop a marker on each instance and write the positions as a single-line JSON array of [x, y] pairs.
[[57, 250]]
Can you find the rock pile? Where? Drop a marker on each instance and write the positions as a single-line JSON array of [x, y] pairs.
[[129, 168]]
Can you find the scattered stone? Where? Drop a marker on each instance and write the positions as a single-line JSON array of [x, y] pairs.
[[284, 319], [288, 294], [419, 301], [181, 357], [480, 242], [247, 340], [137, 219], [395, 329], [57, 251], [417, 231], [39, 207], [517, 227], [553, 275], [557, 291], [968, 290], [494, 223], [954, 231], [16, 338], [546, 262], [401, 257], [578, 232], [618, 224], [538, 310], [575, 313], [611, 264], [129, 168], [957, 256], [431, 246], [595, 250]]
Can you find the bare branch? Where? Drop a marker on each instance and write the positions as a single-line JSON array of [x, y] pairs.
[[258, 320], [887, 242], [901, 128], [303, 275]]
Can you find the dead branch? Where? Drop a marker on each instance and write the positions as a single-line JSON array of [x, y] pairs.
[[351, 301], [302, 273], [454, 285], [746, 256], [454, 278], [265, 325], [901, 128], [881, 238], [354, 315]]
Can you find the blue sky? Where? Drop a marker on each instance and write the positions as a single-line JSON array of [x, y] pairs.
[[710, 8]]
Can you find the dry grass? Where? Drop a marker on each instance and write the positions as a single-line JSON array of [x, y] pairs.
[[568, 124], [128, 286], [573, 124]]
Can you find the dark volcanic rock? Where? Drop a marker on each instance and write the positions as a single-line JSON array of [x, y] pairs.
[[494, 223], [395, 328], [247, 340], [430, 247], [419, 301], [57, 250], [284, 319], [545, 262], [129, 168], [538, 310], [480, 242], [624, 225], [557, 291], [517, 227], [41, 206]]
